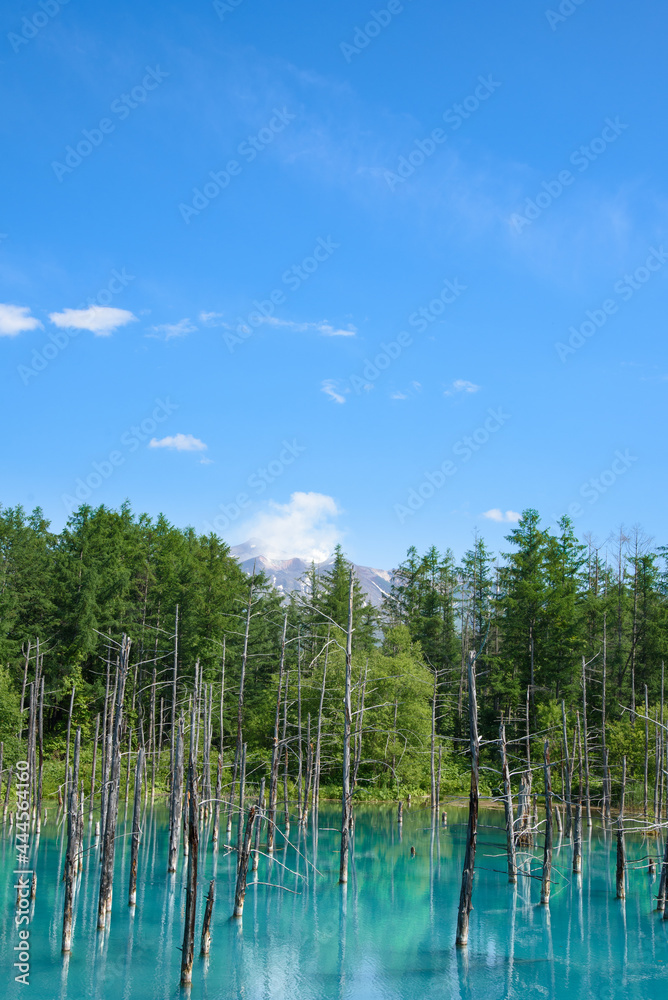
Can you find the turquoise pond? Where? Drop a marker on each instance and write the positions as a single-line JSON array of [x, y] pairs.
[[390, 935]]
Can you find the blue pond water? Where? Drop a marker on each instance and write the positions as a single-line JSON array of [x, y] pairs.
[[390, 935]]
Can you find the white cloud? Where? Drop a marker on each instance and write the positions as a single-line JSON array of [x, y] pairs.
[[329, 331], [180, 329], [179, 442], [510, 516], [100, 320], [213, 319], [322, 327], [461, 385], [304, 528], [16, 319], [398, 395], [206, 461], [329, 387]]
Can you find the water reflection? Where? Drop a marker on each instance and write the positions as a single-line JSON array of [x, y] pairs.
[[388, 934]]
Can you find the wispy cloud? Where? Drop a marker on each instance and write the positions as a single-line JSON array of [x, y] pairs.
[[322, 327], [303, 528], [178, 442], [170, 330], [100, 320], [15, 320], [213, 319], [330, 387], [510, 516], [461, 385]]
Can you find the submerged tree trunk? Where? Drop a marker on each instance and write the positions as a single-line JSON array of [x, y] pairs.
[[621, 847], [508, 807], [347, 718], [547, 852], [465, 896], [136, 816], [242, 870], [191, 882]]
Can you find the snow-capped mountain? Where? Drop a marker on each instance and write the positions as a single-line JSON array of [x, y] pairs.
[[285, 574]]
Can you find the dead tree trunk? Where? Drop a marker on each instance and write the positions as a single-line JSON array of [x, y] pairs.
[[577, 835], [585, 735], [276, 750], [258, 825], [92, 778], [175, 802], [347, 719], [466, 894], [568, 773], [316, 780], [216, 810], [206, 925], [136, 816], [242, 871], [621, 847], [508, 807], [547, 852], [72, 854], [191, 882], [111, 812]]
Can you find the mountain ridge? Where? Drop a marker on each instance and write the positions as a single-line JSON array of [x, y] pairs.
[[286, 574]]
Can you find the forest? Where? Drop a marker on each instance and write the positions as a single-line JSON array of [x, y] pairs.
[[559, 627]]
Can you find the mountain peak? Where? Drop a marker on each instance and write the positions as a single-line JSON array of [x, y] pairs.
[[286, 574]]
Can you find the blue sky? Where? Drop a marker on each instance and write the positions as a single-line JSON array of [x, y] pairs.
[[225, 214]]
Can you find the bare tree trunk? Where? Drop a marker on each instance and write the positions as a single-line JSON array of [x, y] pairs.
[[258, 826], [547, 852], [216, 809], [175, 801], [432, 754], [92, 779], [577, 835], [136, 833], [508, 807], [466, 894], [586, 742], [242, 870], [318, 744], [109, 839], [72, 854], [276, 750], [191, 882], [567, 774], [347, 719], [621, 847], [174, 679], [67, 753], [206, 926]]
